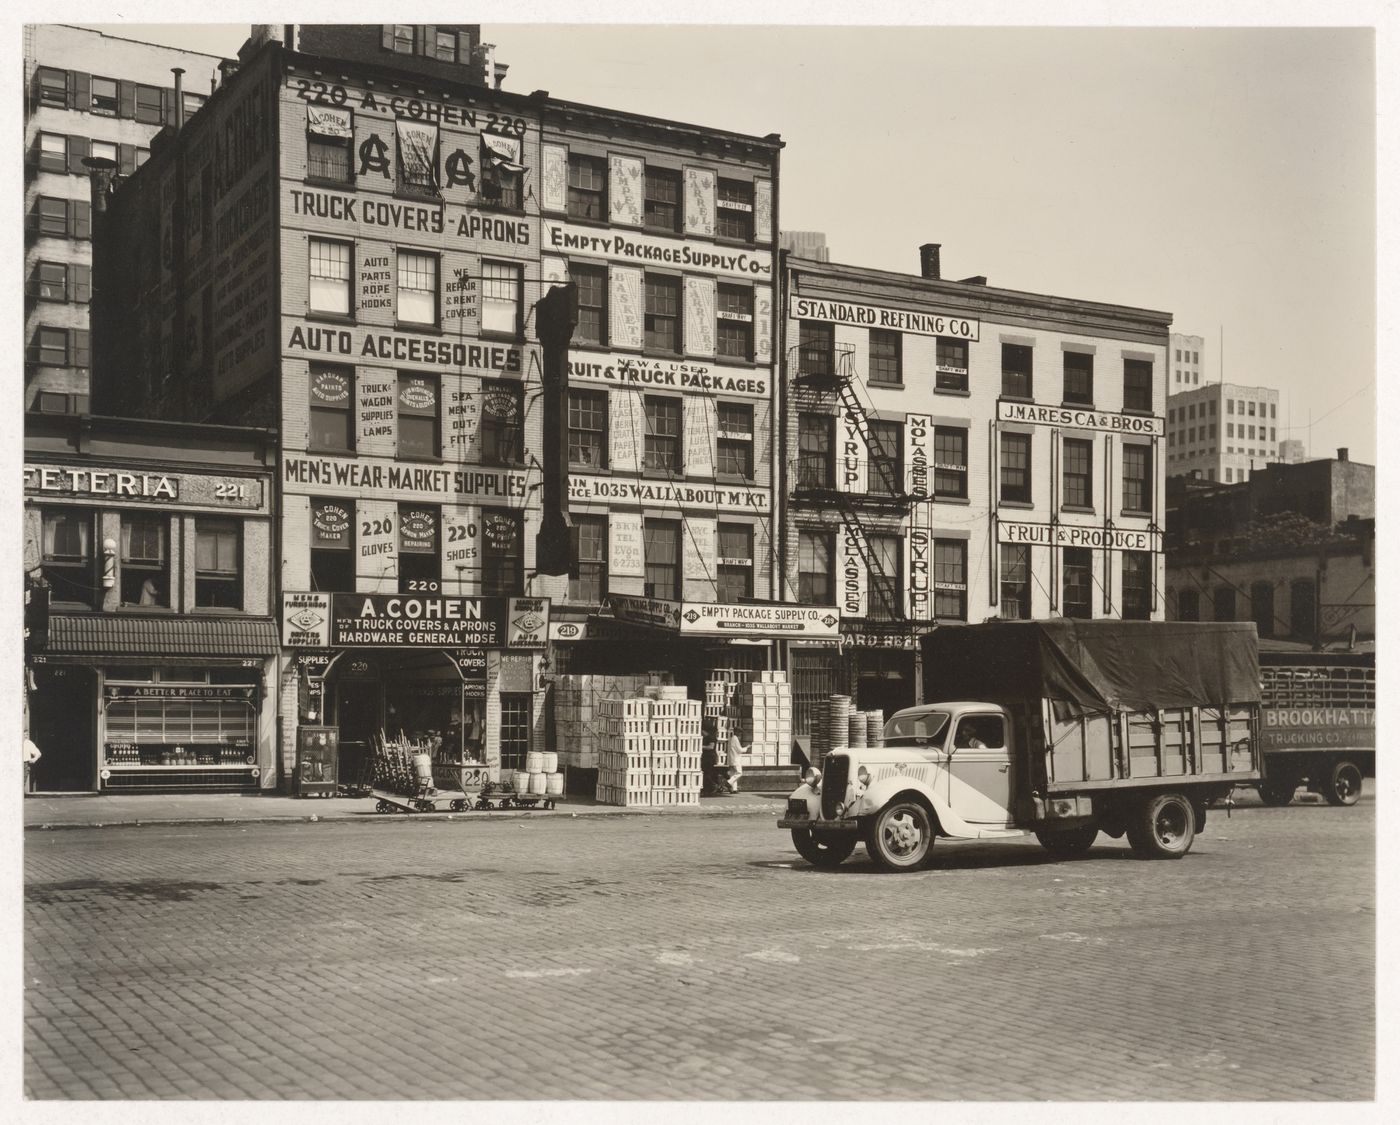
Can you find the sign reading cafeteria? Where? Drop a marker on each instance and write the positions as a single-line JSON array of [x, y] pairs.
[[412, 621], [897, 320], [1085, 419], [1070, 535]]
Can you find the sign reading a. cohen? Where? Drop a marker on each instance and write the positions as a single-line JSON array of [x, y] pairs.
[[412, 621]]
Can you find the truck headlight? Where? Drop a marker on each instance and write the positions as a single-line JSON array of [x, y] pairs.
[[812, 776]]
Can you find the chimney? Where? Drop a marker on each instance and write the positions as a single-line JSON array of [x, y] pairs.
[[102, 174], [976, 279], [929, 266], [1343, 454], [178, 72]]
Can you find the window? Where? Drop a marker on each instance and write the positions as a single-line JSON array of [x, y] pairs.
[[60, 347], [950, 579], [52, 218], [1229, 406], [1016, 467], [52, 279], [816, 451], [1273, 434], [1251, 410], [329, 290], [1016, 370], [502, 415], [886, 587], [418, 289], [1212, 429], [1261, 607], [1137, 478], [661, 206], [218, 578], [1178, 355], [661, 550], [661, 448], [590, 540], [445, 44], [1229, 475], [1078, 582], [333, 546], [53, 86], [734, 567], [1273, 410], [885, 475], [1302, 605], [328, 139], [103, 150], [592, 282], [1137, 384], [588, 429], [1188, 605], [1195, 357], [502, 174], [53, 152], [502, 552], [400, 38], [1213, 405], [420, 563], [418, 417], [1251, 433], [1171, 438], [950, 462], [1224, 603], [1078, 474], [1079, 378], [886, 354], [734, 210], [951, 365], [588, 178], [192, 103], [1191, 411], [1229, 429], [332, 416], [1016, 580], [734, 313], [150, 105], [517, 711], [814, 580], [68, 560], [663, 321], [418, 158], [500, 299], [1137, 585], [734, 440], [816, 348]]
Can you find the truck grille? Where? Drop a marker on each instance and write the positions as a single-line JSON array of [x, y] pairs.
[[836, 771]]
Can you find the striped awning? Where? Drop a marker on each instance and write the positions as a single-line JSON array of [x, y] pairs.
[[104, 634]]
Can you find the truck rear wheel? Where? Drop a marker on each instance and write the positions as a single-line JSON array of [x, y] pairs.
[[823, 849], [1344, 784], [1277, 791], [900, 836], [1164, 827], [1067, 842]]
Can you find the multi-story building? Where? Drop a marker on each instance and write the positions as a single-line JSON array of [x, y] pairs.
[[152, 545], [954, 452], [87, 95], [804, 244], [1184, 364], [1291, 451], [1221, 431]]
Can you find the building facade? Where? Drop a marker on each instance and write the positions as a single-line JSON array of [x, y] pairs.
[[1184, 362], [86, 95], [156, 666], [1222, 431]]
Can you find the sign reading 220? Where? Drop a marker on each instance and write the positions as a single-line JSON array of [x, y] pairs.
[[415, 109]]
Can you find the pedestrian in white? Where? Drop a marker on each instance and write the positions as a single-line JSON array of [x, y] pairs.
[[735, 769], [31, 755]]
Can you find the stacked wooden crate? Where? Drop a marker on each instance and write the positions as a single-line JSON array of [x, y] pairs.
[[651, 750], [764, 717], [578, 701]]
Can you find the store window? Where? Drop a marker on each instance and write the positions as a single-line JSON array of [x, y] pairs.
[[592, 284], [588, 429], [1188, 605], [53, 152], [950, 579], [69, 558], [418, 157], [734, 440], [500, 299], [329, 289], [885, 476], [333, 546], [218, 571], [734, 569], [502, 552], [1137, 385], [1137, 585], [816, 451], [502, 414], [1137, 478], [661, 446], [885, 588], [661, 204], [590, 542], [419, 430], [816, 348], [661, 552], [950, 462], [1016, 381], [1077, 598], [150, 105], [734, 210], [145, 560], [1079, 378], [815, 585], [663, 307], [1016, 468], [950, 372], [734, 316], [1078, 473], [53, 86], [420, 561], [1016, 581], [886, 357], [332, 409], [517, 719], [587, 195]]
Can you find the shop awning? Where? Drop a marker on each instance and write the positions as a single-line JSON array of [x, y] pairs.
[[114, 635]]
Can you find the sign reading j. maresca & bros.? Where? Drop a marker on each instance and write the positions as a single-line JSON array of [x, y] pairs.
[[1080, 417], [877, 316], [629, 248]]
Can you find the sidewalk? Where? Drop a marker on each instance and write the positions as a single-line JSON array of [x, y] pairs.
[[135, 809]]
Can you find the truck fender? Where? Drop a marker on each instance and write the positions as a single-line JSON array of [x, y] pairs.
[[881, 792]]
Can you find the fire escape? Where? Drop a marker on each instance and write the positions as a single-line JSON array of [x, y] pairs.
[[824, 382]]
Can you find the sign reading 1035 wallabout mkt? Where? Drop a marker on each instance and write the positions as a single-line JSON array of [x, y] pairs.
[[311, 620]]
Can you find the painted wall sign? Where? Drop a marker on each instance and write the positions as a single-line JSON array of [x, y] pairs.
[[349, 476], [625, 189], [180, 691], [413, 621], [763, 211], [306, 620], [727, 620], [370, 214], [646, 611], [625, 557], [898, 320], [918, 445], [1070, 535], [1303, 728], [392, 348], [700, 202], [1144, 424], [554, 177], [121, 487], [861, 634], [648, 249], [919, 547], [330, 525], [851, 576], [683, 375], [733, 498]]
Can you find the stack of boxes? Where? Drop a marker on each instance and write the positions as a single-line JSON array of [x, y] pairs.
[[764, 715], [650, 752], [578, 702]]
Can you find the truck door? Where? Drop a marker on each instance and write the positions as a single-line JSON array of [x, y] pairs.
[[979, 769]]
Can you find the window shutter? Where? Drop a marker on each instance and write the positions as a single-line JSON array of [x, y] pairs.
[[763, 211], [82, 284], [31, 351], [31, 283], [700, 201], [386, 37], [625, 306], [698, 543], [79, 90], [464, 51], [126, 98], [429, 45], [625, 190], [126, 159], [700, 316], [79, 343], [78, 148], [625, 544], [80, 218], [624, 439], [554, 178], [167, 107], [700, 418]]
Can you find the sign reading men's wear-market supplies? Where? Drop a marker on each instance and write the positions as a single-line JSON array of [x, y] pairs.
[[412, 621]]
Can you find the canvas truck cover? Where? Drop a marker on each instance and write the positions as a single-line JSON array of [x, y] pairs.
[[1090, 667]]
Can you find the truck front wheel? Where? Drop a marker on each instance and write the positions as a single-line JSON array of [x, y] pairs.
[[1344, 784], [1068, 842], [900, 836], [1277, 791], [1164, 827], [823, 849]]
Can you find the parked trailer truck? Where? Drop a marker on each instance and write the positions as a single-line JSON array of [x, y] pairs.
[[1060, 728], [1319, 722]]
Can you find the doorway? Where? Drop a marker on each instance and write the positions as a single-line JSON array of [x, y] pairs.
[[63, 724]]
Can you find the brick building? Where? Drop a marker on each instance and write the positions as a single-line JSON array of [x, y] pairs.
[[1221, 431]]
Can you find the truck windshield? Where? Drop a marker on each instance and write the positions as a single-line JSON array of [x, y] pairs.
[[924, 729]]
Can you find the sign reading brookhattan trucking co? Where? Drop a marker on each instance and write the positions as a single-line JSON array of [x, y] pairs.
[[1312, 728], [1072, 535], [897, 320], [1083, 418], [412, 621], [629, 248]]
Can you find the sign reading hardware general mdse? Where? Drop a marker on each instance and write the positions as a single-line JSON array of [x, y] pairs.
[[412, 621]]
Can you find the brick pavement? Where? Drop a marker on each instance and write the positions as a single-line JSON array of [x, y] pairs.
[[695, 958]]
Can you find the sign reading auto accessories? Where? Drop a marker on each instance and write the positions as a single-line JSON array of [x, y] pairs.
[[1069, 535], [1145, 425], [412, 621], [646, 249], [898, 320]]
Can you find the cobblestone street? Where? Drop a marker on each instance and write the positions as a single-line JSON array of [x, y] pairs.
[[695, 958]]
